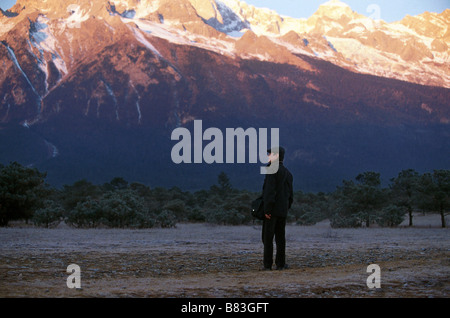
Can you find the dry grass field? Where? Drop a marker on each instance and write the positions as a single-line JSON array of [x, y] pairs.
[[201, 260]]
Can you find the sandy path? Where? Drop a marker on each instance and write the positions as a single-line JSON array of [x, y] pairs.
[[198, 260]]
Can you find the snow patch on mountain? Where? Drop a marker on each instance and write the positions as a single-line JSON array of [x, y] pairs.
[[77, 16], [27, 79], [173, 35], [141, 38], [43, 39]]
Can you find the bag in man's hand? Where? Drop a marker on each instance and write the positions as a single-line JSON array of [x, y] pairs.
[[258, 208]]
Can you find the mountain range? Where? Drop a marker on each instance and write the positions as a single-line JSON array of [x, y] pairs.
[[93, 89]]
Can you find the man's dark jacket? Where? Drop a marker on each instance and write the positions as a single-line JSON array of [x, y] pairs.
[[278, 192]]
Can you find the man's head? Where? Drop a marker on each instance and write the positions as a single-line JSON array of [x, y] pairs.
[[276, 153]]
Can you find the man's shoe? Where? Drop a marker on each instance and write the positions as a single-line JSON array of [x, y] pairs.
[[280, 268], [266, 268]]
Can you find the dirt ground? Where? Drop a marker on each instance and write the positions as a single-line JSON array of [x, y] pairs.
[[201, 260]]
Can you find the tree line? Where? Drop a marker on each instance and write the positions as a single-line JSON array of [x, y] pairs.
[[362, 202]]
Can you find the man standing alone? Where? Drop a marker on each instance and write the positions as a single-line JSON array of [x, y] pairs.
[[277, 198]]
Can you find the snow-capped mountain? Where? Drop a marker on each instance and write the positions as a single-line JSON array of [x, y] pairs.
[[109, 79], [415, 49]]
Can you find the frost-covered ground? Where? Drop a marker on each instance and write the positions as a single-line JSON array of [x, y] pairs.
[[200, 260]]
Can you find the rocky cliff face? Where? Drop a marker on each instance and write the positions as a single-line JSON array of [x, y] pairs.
[[99, 86]]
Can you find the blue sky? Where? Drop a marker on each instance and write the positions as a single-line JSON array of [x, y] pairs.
[[387, 10], [6, 4]]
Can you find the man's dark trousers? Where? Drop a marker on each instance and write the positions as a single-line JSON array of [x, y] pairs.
[[274, 227]]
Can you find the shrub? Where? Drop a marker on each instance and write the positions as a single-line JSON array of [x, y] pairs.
[[166, 219], [22, 191], [119, 209], [49, 216], [144, 220], [225, 217], [177, 207], [196, 215], [85, 214], [391, 215], [338, 221], [115, 209]]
